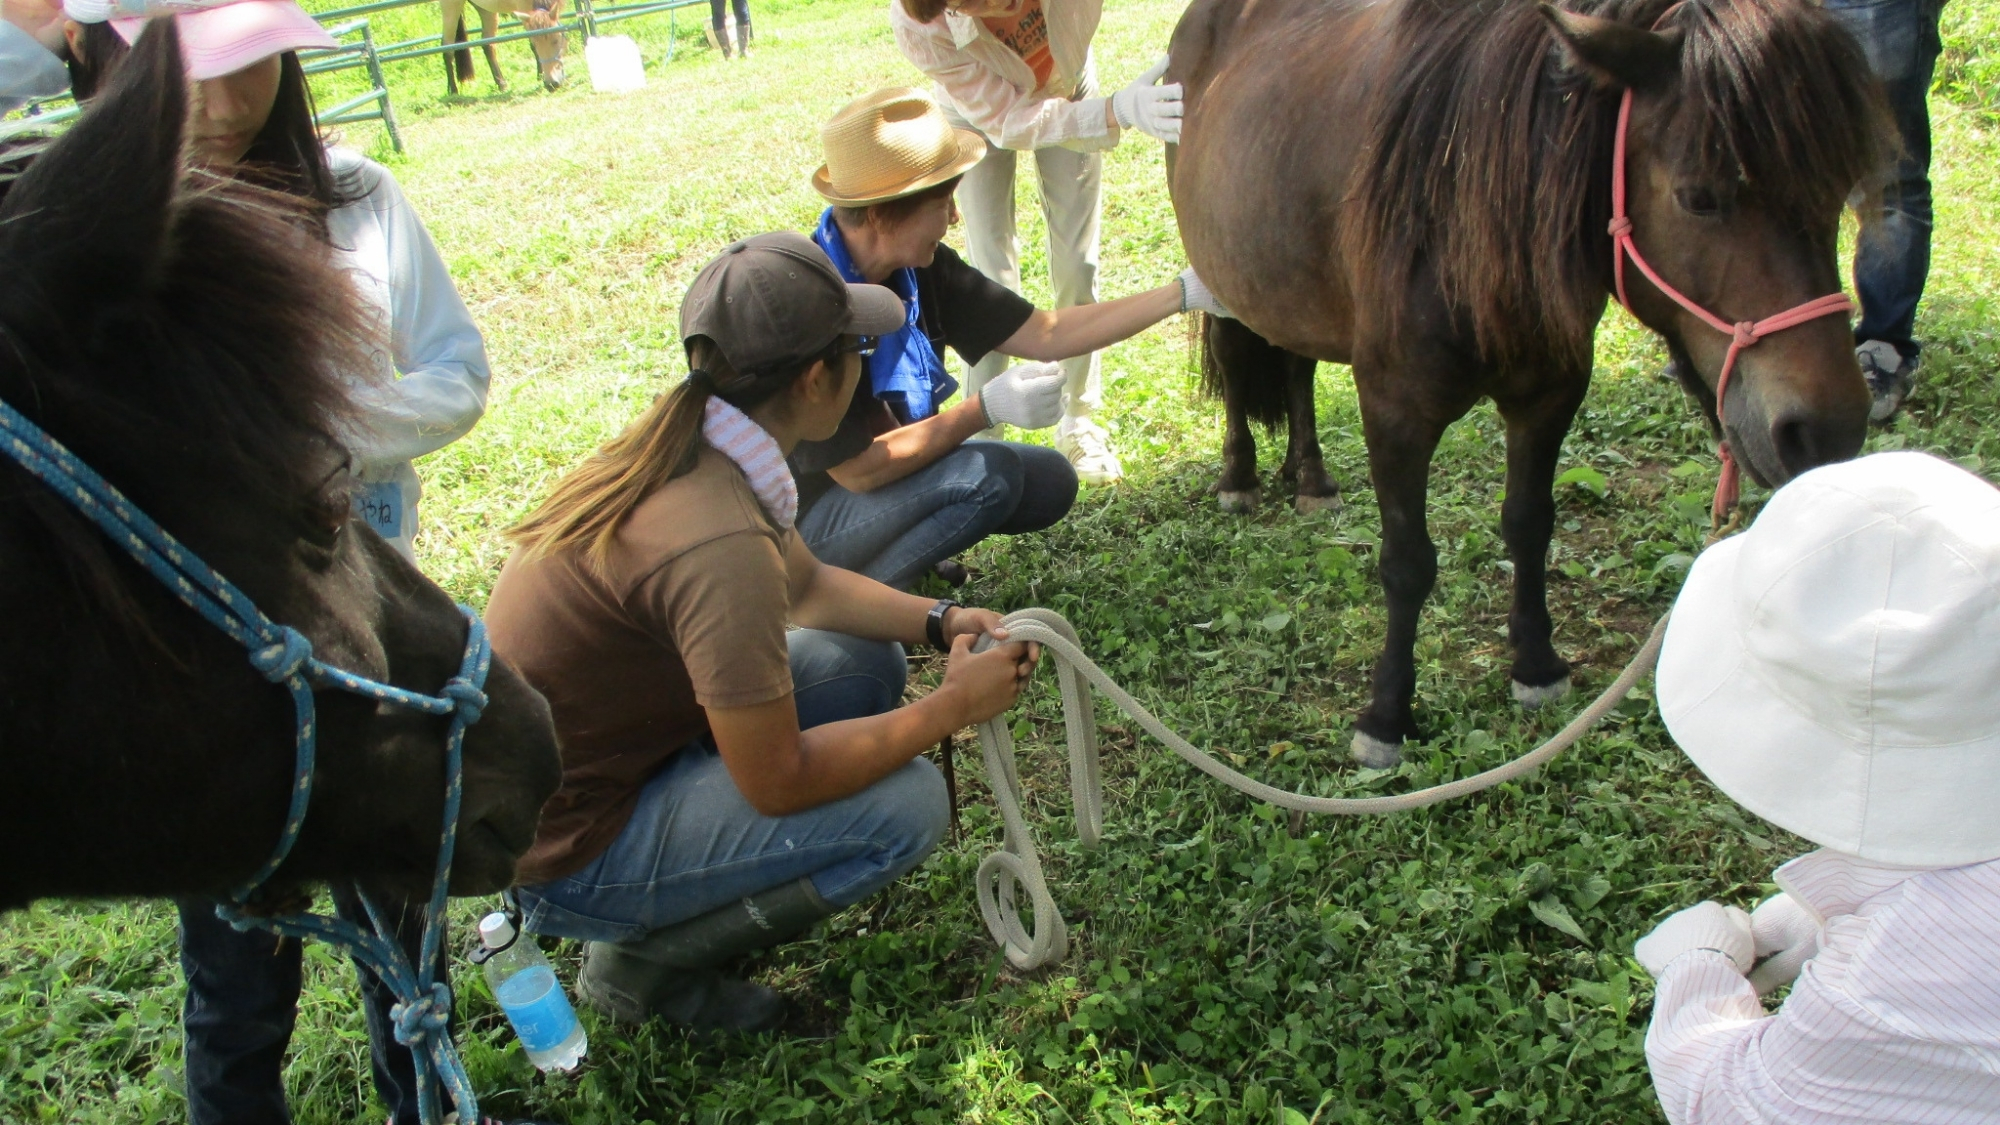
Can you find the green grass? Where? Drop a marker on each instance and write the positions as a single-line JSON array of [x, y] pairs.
[[1405, 969]]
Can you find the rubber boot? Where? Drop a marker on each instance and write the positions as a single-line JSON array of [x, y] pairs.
[[728, 38], [742, 39], [670, 974]]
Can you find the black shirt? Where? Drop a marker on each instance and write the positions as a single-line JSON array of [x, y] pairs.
[[957, 306]]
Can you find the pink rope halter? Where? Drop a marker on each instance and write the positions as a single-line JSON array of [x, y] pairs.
[[1742, 334]]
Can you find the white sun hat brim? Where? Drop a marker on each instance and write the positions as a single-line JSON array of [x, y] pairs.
[[1836, 668]]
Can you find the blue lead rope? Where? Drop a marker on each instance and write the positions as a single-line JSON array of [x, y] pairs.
[[284, 656]]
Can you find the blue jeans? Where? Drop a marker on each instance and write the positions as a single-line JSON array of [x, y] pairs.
[[694, 843], [1892, 258], [242, 1000], [897, 532]]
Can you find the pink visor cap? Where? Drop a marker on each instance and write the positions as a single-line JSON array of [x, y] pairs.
[[224, 40]]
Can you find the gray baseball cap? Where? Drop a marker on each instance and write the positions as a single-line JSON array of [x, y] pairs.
[[775, 298]]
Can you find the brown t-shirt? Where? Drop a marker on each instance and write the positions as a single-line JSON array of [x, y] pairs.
[[690, 613]]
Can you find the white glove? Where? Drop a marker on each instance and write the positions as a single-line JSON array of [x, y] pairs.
[[1195, 296], [1153, 110], [1705, 925], [1028, 395], [1787, 936]]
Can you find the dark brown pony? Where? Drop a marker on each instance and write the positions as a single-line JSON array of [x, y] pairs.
[[186, 336], [1421, 188]]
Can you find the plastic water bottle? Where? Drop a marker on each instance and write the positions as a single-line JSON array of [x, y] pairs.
[[532, 997]]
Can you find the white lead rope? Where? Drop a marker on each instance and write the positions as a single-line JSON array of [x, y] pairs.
[[1017, 866]]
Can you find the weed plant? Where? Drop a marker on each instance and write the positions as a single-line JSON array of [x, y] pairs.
[[1466, 962]]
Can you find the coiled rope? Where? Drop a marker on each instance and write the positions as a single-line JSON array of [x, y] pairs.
[[1016, 867]]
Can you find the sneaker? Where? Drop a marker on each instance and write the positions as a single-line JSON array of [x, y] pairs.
[[1890, 376], [1088, 448]]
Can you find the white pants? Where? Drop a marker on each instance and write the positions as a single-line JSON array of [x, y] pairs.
[[1072, 186]]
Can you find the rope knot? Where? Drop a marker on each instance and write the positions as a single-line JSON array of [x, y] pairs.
[[417, 1020], [1746, 334], [466, 699], [282, 660], [1620, 227]]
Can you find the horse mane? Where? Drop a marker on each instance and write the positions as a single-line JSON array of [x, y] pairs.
[[206, 350], [1491, 153]]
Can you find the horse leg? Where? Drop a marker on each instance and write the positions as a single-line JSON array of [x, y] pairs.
[[1402, 428], [1249, 374], [1313, 490], [1536, 426], [489, 26]]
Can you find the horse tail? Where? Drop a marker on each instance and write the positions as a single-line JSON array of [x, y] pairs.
[[461, 60], [1245, 369]]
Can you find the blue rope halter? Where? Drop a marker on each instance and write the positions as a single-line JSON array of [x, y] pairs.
[[284, 656]]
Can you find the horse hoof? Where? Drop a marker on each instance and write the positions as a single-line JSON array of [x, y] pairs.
[[1375, 753], [1307, 505], [1239, 502], [1531, 698]]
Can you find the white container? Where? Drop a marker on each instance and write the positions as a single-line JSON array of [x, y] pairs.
[[613, 63], [532, 997]]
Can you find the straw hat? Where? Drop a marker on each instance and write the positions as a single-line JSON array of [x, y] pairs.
[[890, 144], [1835, 668]]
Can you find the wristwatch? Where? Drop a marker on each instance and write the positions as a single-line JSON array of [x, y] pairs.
[[934, 623]]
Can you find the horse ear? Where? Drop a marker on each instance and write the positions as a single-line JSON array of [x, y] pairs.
[[1616, 54], [88, 222]]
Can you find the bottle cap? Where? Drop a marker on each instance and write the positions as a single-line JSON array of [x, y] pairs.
[[496, 930]]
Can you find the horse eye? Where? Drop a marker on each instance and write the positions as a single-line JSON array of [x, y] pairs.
[[325, 515], [1699, 201]]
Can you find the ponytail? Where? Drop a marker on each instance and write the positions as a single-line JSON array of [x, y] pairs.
[[589, 505]]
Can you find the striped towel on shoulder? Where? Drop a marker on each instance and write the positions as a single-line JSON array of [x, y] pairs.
[[743, 441]]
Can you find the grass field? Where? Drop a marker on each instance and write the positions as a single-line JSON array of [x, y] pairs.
[[1467, 962]]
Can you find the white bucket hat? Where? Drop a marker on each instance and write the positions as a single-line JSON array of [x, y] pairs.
[[1836, 668]]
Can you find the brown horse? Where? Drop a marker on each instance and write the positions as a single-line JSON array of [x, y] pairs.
[[1422, 189], [535, 15]]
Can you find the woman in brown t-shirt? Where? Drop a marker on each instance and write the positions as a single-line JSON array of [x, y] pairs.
[[726, 781]]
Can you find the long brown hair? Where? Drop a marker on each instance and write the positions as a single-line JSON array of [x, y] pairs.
[[588, 506]]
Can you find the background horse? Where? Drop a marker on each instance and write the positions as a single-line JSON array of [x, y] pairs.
[[535, 15], [1423, 190], [186, 336]]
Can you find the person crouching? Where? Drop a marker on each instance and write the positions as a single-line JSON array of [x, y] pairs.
[[726, 782], [1834, 669]]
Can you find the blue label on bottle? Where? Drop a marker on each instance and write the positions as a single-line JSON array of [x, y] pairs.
[[535, 1005]]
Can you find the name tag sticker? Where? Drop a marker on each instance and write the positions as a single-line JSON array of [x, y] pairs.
[[380, 506]]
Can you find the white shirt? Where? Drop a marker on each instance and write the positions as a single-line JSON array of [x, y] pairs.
[[993, 90], [429, 387], [27, 69], [1895, 1020]]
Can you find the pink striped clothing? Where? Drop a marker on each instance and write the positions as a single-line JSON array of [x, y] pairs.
[[1895, 1019], [738, 437]]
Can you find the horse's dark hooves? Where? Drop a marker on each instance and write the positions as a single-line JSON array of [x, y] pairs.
[[1307, 505], [1531, 698], [1240, 502], [1374, 753]]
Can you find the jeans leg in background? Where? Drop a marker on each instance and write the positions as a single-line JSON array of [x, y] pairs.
[[897, 532], [242, 1000], [394, 1071], [1893, 253]]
